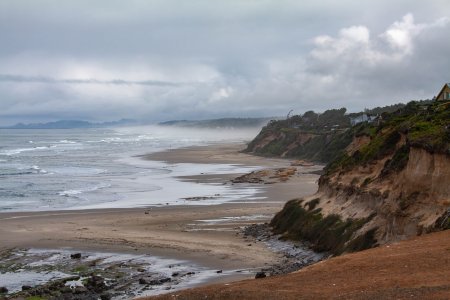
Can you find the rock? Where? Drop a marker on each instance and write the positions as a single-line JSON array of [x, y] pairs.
[[105, 296], [26, 287], [96, 283], [175, 274], [64, 280], [160, 281], [80, 290], [189, 273], [164, 280], [143, 281], [260, 275], [3, 290], [75, 256], [220, 271], [141, 270], [66, 290]]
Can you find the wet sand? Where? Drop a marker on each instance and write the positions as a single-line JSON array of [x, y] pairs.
[[171, 231]]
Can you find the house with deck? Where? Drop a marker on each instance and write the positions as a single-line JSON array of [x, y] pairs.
[[444, 94]]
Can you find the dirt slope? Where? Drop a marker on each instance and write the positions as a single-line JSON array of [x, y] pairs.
[[414, 269]]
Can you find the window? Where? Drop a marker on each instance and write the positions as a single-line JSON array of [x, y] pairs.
[[448, 96]]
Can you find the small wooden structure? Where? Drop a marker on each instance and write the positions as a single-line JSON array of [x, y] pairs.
[[444, 94]]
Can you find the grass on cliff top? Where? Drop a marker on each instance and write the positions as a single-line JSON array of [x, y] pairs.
[[425, 126]]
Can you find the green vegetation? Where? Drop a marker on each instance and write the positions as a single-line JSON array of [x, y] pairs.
[[316, 137], [424, 125], [81, 269], [329, 233], [312, 204], [323, 137], [397, 162], [35, 298]]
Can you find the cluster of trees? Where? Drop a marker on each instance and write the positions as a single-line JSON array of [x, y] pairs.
[[311, 120]]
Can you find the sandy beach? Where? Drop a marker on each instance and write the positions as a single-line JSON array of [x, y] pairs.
[[181, 232]]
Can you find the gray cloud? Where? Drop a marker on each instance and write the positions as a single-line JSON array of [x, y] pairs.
[[166, 59], [42, 79]]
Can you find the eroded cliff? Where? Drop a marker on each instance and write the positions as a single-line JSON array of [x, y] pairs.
[[391, 183]]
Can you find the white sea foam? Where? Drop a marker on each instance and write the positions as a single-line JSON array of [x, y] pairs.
[[20, 150], [73, 170], [74, 192], [233, 219], [95, 169]]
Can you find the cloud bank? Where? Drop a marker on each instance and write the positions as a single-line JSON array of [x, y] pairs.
[[167, 60]]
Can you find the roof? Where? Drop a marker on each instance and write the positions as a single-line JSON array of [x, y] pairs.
[[442, 90]]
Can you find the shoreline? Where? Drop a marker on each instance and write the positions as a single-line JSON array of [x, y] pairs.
[[174, 231]]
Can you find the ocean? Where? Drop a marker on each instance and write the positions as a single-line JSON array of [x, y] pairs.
[[63, 169]]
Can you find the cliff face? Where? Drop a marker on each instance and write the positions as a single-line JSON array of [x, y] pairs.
[[391, 183], [317, 145]]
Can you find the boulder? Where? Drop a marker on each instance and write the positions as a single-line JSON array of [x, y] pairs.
[[96, 283], [105, 296], [80, 290], [260, 275], [160, 281]]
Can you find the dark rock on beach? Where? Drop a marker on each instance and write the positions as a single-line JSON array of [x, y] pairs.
[[295, 256], [260, 275], [105, 296], [96, 284], [75, 256]]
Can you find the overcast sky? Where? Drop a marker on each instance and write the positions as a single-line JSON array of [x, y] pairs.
[[196, 59]]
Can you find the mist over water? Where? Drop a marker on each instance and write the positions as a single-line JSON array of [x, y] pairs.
[[97, 168]]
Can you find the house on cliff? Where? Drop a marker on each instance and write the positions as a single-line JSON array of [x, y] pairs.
[[359, 118], [444, 94]]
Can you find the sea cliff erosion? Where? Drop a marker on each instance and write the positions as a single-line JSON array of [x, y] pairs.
[[232, 149], [390, 183], [385, 187]]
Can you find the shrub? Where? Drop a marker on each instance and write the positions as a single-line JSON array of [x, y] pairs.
[[398, 161], [312, 204]]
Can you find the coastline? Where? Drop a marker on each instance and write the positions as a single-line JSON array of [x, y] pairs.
[[207, 235]]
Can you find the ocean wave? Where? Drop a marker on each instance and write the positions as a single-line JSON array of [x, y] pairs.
[[68, 170], [56, 145], [10, 194], [75, 192], [18, 169], [11, 152], [129, 139], [67, 142]]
